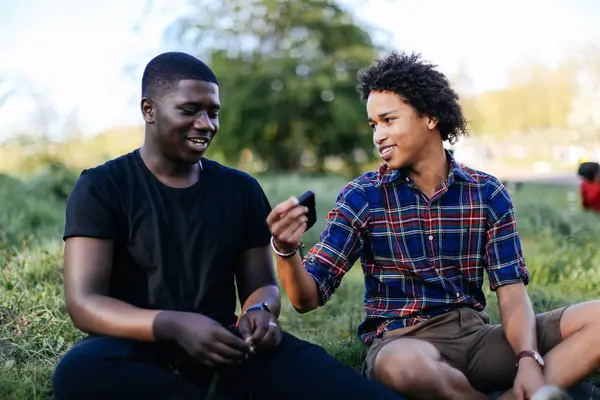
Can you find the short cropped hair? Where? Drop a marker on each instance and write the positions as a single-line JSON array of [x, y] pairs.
[[589, 170], [163, 73], [424, 88]]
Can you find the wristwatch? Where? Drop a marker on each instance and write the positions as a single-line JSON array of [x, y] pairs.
[[533, 354], [260, 306]]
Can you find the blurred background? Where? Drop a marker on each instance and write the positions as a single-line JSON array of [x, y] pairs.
[[527, 71]]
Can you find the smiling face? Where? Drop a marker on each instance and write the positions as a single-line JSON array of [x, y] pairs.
[[401, 137], [184, 121]]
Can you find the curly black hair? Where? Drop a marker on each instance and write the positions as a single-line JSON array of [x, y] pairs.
[[424, 88]]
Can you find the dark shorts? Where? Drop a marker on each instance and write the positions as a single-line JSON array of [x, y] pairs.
[[468, 342]]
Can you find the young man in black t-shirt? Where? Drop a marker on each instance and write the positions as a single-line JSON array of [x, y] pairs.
[[156, 243]]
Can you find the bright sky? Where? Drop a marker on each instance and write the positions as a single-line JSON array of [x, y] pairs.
[[76, 53]]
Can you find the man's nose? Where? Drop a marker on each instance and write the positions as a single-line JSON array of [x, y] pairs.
[[203, 123], [379, 135]]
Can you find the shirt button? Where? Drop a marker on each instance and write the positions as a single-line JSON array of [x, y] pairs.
[[407, 179], [430, 237]]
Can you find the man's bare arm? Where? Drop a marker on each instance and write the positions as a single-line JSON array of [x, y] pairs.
[[255, 278], [299, 284], [518, 318], [88, 264]]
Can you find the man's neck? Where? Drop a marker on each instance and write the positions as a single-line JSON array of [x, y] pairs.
[[167, 171], [429, 172]]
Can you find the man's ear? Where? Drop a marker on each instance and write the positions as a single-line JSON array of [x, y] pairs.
[[148, 110], [432, 123]]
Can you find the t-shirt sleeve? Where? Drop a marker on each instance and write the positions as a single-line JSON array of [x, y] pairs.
[[503, 254], [90, 212], [256, 210]]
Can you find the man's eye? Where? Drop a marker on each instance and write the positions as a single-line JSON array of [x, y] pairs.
[[188, 111], [213, 115], [388, 120]]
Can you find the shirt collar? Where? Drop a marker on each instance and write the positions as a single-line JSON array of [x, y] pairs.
[[455, 170]]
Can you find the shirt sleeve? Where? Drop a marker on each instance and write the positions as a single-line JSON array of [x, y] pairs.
[[503, 257], [256, 210], [90, 211], [340, 242]]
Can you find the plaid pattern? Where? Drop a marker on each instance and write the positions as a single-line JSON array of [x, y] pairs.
[[420, 257]]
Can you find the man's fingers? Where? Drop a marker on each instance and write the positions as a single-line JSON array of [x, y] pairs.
[[245, 328], [518, 392], [281, 209], [259, 333], [272, 336], [292, 218], [232, 340], [227, 353], [296, 234], [218, 359]]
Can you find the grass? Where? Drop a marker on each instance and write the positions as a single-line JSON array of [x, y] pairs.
[[560, 242]]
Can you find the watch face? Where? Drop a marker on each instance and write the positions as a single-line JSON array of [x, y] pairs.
[[539, 359]]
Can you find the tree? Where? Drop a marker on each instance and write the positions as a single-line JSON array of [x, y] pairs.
[[288, 75], [536, 97]]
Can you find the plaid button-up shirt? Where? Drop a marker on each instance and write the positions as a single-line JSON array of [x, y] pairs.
[[420, 257]]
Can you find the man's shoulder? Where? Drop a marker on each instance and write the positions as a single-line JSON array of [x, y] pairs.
[[230, 174], [364, 181], [357, 190], [225, 170], [493, 191], [479, 177], [116, 166]]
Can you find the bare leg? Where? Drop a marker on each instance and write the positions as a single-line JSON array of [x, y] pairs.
[[414, 368], [578, 356]]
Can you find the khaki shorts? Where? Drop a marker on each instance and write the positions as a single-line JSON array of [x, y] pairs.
[[468, 342]]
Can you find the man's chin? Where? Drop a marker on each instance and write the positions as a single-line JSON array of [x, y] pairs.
[[193, 158]]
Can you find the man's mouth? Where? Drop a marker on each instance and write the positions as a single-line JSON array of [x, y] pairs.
[[199, 141], [386, 150]]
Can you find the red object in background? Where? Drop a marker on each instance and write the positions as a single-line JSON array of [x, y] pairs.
[[590, 195]]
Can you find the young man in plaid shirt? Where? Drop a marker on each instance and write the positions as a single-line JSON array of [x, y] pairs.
[[426, 229]]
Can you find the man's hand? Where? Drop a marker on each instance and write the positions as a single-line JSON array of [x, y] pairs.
[[529, 379], [202, 338], [287, 222], [260, 329]]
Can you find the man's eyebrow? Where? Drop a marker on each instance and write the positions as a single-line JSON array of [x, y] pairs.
[[383, 114], [214, 106]]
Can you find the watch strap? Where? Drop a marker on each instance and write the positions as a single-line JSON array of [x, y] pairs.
[[533, 354], [259, 306]]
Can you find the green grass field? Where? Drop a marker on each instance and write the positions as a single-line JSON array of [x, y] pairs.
[[561, 248]]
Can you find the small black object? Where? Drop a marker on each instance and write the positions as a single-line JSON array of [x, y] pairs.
[[307, 199]]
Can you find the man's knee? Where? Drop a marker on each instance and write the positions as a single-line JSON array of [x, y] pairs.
[[89, 364], [406, 364], [75, 372]]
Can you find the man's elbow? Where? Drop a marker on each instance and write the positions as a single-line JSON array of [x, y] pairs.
[[304, 307], [78, 311]]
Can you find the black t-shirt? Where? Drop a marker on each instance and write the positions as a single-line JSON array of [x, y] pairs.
[[175, 249]]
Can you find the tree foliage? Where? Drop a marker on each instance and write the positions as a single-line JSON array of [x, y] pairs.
[[288, 76]]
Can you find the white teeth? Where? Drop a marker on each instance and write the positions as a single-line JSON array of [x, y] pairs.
[[198, 142], [387, 150]]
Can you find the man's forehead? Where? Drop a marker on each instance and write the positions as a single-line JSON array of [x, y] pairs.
[[195, 91], [194, 85]]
